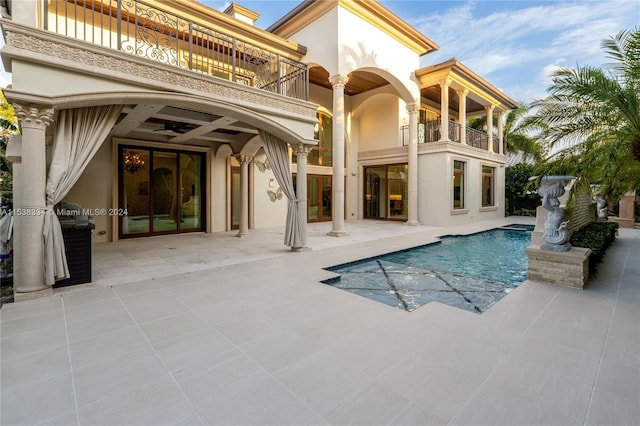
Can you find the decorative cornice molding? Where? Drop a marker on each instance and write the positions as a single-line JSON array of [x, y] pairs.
[[109, 61], [401, 152], [33, 116]]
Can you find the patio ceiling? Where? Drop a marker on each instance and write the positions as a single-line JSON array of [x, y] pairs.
[[359, 81], [166, 123]]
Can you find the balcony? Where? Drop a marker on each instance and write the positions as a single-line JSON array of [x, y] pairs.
[[144, 30], [430, 132]]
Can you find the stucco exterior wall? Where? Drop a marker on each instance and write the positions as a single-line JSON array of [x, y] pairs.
[[94, 191], [349, 43], [379, 123], [435, 190], [361, 45], [267, 213], [321, 96], [218, 202], [321, 50]]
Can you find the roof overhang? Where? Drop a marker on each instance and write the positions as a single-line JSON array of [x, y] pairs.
[[237, 27], [465, 77], [369, 10]]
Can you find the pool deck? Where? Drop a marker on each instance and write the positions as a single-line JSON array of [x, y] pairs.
[[213, 329]]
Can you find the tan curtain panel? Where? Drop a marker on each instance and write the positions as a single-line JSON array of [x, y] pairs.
[[78, 136], [277, 152]]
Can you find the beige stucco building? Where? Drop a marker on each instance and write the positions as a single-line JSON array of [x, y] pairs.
[[155, 117]]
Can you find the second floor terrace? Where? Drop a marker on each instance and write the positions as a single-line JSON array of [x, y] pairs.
[[431, 131], [188, 40]]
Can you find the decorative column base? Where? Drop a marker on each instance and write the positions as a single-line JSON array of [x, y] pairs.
[[412, 223], [337, 233], [242, 234], [568, 269], [20, 297]]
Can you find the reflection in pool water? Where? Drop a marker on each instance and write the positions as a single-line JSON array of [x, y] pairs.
[[470, 272]]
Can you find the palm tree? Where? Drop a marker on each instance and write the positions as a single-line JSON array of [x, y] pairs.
[[514, 133], [592, 119]]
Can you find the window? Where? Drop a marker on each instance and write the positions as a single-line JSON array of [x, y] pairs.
[[488, 186], [321, 155], [458, 184]]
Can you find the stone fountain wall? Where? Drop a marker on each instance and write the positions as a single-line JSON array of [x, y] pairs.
[[583, 211]]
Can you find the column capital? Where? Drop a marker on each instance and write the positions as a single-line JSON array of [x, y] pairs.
[[462, 92], [445, 82], [302, 149], [338, 80], [34, 116], [243, 159], [489, 108], [413, 108]]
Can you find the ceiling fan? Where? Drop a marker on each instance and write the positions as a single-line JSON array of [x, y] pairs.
[[173, 127]]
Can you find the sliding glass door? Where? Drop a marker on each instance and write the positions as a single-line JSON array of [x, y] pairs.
[[160, 191], [385, 192]]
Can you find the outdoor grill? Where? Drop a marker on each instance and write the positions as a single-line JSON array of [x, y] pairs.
[[77, 228]]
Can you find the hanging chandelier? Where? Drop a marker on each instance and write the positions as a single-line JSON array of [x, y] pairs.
[[133, 162]]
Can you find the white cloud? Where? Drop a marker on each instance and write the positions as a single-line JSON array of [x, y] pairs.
[[527, 41], [547, 71]]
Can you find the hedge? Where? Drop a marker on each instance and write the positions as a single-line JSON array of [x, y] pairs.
[[597, 236]]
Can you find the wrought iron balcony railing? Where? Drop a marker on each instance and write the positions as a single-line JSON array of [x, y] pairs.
[[430, 132], [144, 30]]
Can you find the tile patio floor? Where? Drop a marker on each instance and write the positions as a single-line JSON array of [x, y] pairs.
[[240, 331]]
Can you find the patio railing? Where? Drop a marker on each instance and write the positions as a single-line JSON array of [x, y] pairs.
[[430, 132], [143, 30]]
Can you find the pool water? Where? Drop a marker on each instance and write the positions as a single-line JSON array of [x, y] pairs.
[[470, 272]]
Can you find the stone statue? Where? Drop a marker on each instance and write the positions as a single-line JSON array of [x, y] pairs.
[[603, 209], [556, 234]]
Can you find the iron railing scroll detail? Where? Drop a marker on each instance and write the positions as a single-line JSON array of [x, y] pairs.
[[147, 31], [429, 131]]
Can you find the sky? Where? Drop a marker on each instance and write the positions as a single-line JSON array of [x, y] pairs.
[[513, 44]]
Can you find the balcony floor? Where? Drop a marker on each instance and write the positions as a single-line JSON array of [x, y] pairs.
[[258, 340]]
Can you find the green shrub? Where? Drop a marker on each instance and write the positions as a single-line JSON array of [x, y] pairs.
[[517, 200], [597, 236]]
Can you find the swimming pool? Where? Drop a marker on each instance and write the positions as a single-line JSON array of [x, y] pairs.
[[470, 272]]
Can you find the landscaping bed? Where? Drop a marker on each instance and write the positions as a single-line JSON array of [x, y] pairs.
[[597, 236]]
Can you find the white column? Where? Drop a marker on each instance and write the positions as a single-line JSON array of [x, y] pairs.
[[412, 217], [338, 82], [30, 202], [302, 151], [489, 109], [444, 109], [500, 132], [462, 114], [244, 161]]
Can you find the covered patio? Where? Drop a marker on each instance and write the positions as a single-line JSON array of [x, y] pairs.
[[257, 339]]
